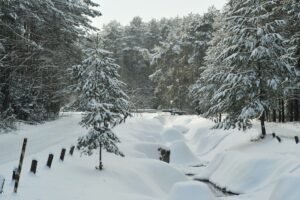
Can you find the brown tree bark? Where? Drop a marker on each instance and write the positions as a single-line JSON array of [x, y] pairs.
[[296, 109]]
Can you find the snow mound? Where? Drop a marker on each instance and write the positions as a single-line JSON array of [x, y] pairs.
[[162, 118], [172, 135], [159, 174], [190, 190], [287, 189], [208, 142], [181, 154], [143, 150], [247, 172], [182, 129]]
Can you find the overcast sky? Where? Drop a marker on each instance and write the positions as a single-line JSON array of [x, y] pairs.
[[124, 10]]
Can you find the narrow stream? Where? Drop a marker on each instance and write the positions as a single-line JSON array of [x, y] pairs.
[[218, 192]]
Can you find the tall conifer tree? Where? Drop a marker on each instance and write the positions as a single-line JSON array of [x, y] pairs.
[[106, 105]]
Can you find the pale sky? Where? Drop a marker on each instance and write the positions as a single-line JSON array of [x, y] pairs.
[[124, 10]]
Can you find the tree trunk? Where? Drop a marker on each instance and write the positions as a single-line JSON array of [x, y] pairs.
[[274, 115], [291, 110], [263, 128], [282, 111], [100, 158], [279, 112], [6, 100], [296, 110]]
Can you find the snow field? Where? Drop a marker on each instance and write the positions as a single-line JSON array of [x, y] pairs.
[[190, 190], [263, 170], [137, 176]]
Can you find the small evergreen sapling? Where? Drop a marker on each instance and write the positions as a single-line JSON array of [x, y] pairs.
[[102, 97]]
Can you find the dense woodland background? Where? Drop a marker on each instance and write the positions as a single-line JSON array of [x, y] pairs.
[[242, 61]]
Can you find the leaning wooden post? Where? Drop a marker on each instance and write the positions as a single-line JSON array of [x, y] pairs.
[[49, 161], [33, 166], [72, 150], [20, 165], [62, 154], [2, 181]]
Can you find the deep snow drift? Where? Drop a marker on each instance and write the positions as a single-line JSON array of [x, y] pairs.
[[263, 170]]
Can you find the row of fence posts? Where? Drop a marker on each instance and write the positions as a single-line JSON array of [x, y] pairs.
[[279, 139], [165, 156], [33, 168]]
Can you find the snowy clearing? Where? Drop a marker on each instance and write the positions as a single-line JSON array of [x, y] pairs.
[[259, 170]]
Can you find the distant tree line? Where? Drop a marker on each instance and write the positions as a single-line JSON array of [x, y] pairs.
[[160, 59], [242, 62]]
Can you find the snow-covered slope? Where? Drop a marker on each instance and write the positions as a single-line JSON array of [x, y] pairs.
[[262, 170]]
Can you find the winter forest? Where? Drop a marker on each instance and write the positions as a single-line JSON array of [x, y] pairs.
[[213, 94]]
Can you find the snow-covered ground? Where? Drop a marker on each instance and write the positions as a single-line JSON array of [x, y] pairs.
[[262, 170]]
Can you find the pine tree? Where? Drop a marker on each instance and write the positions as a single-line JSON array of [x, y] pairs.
[[203, 90], [178, 59], [106, 104], [254, 66], [38, 44], [290, 10]]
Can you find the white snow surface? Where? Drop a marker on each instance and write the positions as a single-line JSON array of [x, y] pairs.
[[260, 170], [190, 190]]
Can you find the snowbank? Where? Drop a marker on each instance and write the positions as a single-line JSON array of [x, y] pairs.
[[259, 170], [182, 155], [143, 150], [208, 142], [190, 190], [171, 135], [287, 189], [247, 172], [182, 129]]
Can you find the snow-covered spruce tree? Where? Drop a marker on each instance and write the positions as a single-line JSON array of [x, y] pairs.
[[103, 98], [38, 43], [254, 66], [202, 91], [292, 8]]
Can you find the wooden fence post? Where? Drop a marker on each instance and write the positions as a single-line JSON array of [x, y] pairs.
[[2, 181], [72, 150], [14, 175], [33, 166], [62, 154], [278, 138], [20, 165], [296, 139], [50, 159]]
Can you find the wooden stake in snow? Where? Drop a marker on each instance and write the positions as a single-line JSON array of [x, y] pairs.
[[296, 139], [14, 175], [273, 135], [33, 166], [50, 159], [278, 138], [20, 165], [62, 154], [72, 150], [2, 181]]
